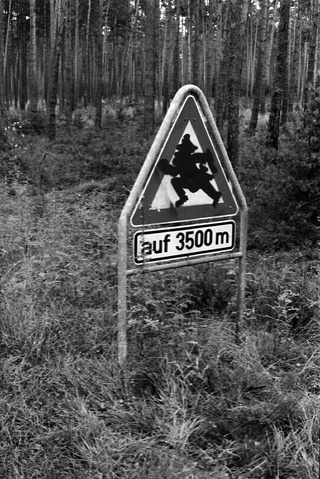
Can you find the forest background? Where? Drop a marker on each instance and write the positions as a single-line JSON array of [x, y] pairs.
[[84, 86]]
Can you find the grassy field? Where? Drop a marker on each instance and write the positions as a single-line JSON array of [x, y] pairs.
[[193, 403]]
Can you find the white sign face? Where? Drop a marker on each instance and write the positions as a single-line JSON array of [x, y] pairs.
[[181, 242]]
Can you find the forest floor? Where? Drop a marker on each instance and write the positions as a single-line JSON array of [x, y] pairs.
[[193, 402]]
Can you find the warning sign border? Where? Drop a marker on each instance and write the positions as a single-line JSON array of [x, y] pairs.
[[144, 215]]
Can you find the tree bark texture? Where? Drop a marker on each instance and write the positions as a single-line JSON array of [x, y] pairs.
[[98, 43], [310, 80], [260, 65], [152, 13], [280, 89], [238, 9], [33, 58], [2, 92], [233, 83], [57, 25], [68, 64]]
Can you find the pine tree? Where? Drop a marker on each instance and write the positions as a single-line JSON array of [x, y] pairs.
[[238, 10], [1, 61], [279, 99], [152, 16], [260, 66], [98, 42], [57, 24], [33, 58]]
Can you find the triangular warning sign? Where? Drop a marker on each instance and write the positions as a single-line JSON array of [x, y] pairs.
[[187, 181]]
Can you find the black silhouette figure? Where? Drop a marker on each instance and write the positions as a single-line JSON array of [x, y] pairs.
[[187, 175]]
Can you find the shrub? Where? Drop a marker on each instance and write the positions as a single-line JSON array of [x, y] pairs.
[[90, 154], [282, 186], [33, 123]]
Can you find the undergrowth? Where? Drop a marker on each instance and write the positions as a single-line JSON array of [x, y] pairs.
[[282, 186], [193, 402], [80, 153]]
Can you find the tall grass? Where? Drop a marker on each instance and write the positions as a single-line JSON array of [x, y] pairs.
[[193, 403]]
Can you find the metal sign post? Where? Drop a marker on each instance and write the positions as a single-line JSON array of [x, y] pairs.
[[187, 177]]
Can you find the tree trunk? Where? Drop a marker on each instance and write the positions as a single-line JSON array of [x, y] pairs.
[[132, 52], [176, 52], [295, 63], [189, 54], [86, 59], [152, 12], [234, 79], [310, 80], [57, 31], [221, 89], [209, 52], [33, 59], [260, 65], [77, 63], [254, 56], [68, 64], [46, 54], [166, 60], [196, 49], [7, 39], [2, 92], [266, 70], [23, 85], [98, 43], [15, 79], [280, 91]]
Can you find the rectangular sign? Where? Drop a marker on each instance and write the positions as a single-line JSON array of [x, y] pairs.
[[183, 241]]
